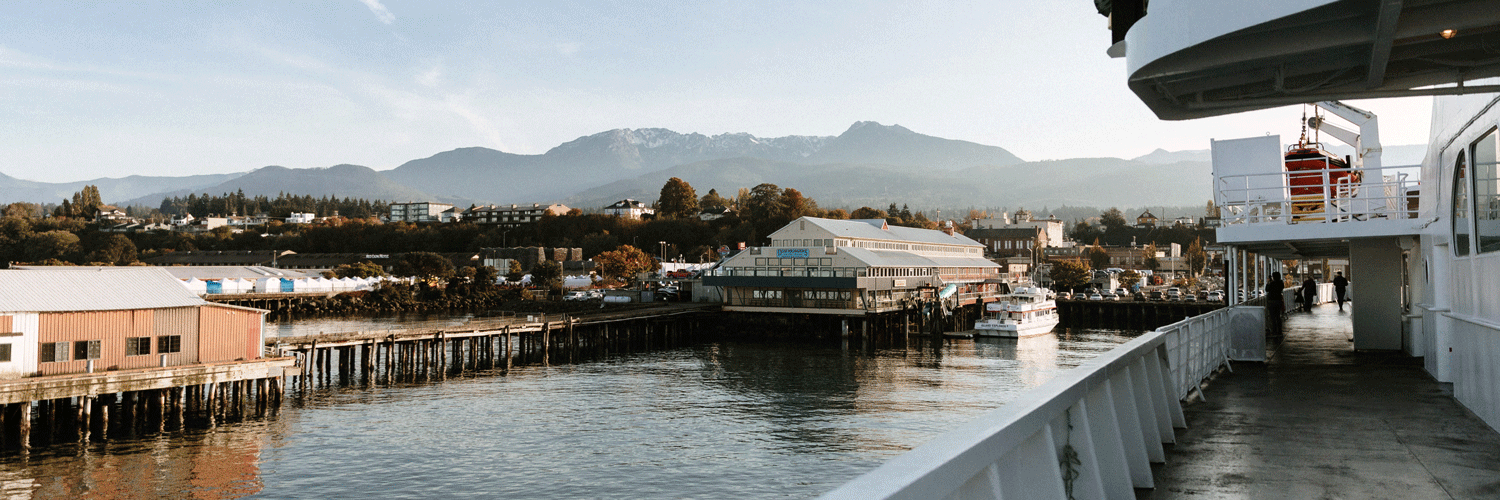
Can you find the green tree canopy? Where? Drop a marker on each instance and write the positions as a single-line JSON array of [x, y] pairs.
[[678, 200], [1129, 278], [114, 249], [56, 244], [547, 274], [713, 200], [425, 266], [485, 276], [1069, 275], [1113, 220], [364, 269]]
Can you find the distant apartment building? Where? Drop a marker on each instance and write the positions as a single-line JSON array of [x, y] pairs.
[[1052, 227], [301, 218], [422, 211], [514, 215], [629, 209]]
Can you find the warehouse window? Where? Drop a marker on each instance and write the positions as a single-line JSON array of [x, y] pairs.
[[137, 346], [168, 344], [4, 353], [53, 351], [86, 349]]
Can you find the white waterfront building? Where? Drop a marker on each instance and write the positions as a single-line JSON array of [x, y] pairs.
[[854, 267]]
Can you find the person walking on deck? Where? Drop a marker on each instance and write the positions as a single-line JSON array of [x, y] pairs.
[[1340, 286], [1308, 293], [1275, 303]]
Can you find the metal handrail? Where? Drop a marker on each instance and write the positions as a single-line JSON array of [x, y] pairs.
[[1091, 432], [1268, 198]]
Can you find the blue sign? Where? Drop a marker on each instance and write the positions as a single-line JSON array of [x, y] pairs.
[[791, 253], [287, 286], [215, 286]]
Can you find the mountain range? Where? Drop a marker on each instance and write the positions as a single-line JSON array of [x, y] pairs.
[[867, 165]]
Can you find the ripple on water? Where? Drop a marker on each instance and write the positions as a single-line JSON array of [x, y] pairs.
[[728, 419]]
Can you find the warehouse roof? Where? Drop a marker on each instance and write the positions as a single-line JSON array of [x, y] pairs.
[[877, 229], [59, 290]]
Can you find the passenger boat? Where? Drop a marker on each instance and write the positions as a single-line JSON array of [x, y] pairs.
[[1024, 312]]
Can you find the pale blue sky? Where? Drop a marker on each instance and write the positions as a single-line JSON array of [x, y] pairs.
[[109, 89]]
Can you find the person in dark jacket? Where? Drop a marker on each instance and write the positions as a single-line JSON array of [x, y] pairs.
[[1340, 286], [1309, 293]]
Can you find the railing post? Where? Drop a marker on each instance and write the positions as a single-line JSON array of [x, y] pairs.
[[1115, 473], [1134, 441]]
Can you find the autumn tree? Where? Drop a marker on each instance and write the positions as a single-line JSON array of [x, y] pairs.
[[514, 272], [623, 263], [485, 277], [1070, 275], [1196, 257], [677, 200], [20, 209], [867, 213], [1211, 209], [1129, 278], [1150, 260], [794, 205], [1098, 257]]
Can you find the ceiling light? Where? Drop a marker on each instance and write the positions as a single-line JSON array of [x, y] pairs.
[[1448, 33]]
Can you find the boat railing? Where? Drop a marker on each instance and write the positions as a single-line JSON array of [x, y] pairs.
[[1091, 432], [1317, 196]]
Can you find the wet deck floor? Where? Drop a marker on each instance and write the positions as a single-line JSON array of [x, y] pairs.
[[1322, 421]]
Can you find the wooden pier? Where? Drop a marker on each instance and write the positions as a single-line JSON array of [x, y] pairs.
[[417, 355], [1129, 314], [81, 407]]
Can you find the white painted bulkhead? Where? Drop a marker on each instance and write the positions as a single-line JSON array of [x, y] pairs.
[[1459, 294], [22, 337]]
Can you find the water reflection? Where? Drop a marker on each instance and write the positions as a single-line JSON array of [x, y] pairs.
[[717, 419]]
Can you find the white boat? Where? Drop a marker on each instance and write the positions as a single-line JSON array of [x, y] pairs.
[[1023, 312]]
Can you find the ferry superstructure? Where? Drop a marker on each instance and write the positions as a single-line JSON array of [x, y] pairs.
[[1424, 240]]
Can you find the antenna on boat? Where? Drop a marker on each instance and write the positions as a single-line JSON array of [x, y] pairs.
[[1302, 142]]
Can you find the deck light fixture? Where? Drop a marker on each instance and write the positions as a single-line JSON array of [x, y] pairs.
[[1448, 33]]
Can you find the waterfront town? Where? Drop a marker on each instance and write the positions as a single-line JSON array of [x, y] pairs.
[[1300, 310]]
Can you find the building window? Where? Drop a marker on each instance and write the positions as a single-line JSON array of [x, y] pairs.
[[168, 344], [1486, 192], [1461, 206], [86, 349], [4, 353], [137, 346]]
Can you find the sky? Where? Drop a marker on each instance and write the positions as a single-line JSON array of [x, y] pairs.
[[111, 89]]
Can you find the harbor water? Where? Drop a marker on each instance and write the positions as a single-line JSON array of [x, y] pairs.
[[717, 419]]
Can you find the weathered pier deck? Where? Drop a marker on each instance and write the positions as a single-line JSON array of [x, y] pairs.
[[390, 356], [82, 406]]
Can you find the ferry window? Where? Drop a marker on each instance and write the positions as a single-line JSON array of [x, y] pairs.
[[168, 344], [86, 349], [137, 346], [760, 261], [1461, 206], [1486, 193], [4, 353]]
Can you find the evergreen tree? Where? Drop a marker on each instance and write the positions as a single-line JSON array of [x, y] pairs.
[[677, 200]]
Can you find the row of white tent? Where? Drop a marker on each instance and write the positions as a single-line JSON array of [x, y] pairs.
[[283, 285]]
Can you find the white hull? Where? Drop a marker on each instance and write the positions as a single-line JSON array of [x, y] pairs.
[[994, 328]]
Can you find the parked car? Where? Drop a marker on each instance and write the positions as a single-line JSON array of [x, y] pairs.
[[666, 293], [1096, 296], [1122, 293], [1064, 295], [1157, 295], [1174, 294], [1140, 296], [1215, 296], [577, 295]]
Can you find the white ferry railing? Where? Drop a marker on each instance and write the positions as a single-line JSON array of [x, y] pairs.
[[1091, 432], [1271, 198]]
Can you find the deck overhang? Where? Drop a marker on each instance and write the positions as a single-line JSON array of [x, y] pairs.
[[1191, 59], [1302, 241]]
